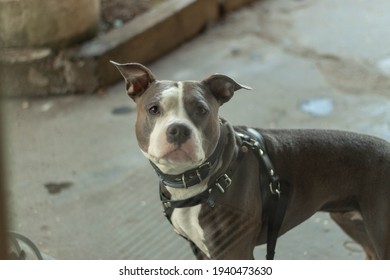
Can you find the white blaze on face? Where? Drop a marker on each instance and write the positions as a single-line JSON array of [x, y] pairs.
[[165, 154]]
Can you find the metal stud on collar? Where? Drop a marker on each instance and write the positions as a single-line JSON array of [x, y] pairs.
[[261, 152]]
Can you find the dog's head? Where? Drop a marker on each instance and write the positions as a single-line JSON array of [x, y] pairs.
[[177, 124]]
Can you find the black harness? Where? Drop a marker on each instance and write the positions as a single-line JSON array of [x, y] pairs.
[[274, 192]]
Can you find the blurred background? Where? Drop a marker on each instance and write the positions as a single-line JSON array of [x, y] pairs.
[[77, 184]]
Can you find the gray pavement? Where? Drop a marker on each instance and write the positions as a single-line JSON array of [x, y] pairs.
[[80, 188]]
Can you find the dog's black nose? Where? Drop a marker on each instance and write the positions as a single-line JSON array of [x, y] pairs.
[[178, 133]]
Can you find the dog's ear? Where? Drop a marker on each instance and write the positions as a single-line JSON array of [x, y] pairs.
[[222, 87], [138, 78]]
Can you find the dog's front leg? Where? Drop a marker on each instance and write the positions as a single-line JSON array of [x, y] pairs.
[[230, 234], [197, 252]]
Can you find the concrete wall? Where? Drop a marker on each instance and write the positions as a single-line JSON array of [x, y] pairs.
[[42, 71], [54, 23]]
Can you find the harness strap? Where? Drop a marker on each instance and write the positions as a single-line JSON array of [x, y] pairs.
[[218, 187], [275, 198], [222, 183], [275, 211], [169, 205]]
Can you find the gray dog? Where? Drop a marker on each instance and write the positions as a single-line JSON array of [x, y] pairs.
[[228, 189]]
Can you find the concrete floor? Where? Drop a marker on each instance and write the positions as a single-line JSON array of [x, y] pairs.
[[80, 188]]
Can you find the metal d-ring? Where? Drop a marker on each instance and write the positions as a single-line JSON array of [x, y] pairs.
[[274, 190]]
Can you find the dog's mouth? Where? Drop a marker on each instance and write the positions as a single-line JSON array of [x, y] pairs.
[[175, 161], [177, 155]]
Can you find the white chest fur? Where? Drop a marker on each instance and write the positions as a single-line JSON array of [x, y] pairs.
[[186, 223]]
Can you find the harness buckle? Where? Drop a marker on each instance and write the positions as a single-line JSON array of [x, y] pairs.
[[223, 182]]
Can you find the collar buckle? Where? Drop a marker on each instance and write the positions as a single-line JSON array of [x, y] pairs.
[[187, 178]]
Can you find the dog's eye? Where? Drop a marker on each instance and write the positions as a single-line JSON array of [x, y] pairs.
[[154, 110], [201, 111]]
